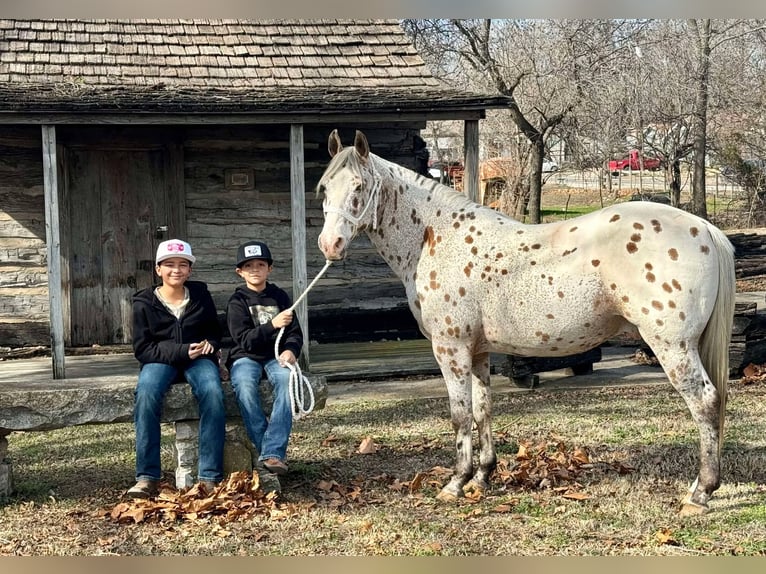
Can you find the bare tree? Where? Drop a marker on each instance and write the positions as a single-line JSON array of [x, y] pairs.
[[605, 86], [540, 65]]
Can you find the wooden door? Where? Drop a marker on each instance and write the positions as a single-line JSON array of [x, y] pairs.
[[122, 203]]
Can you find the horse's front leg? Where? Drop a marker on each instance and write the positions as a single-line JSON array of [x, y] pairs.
[[457, 377], [482, 416]]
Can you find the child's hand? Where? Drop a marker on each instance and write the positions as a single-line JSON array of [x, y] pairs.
[[198, 349], [287, 357], [283, 319]]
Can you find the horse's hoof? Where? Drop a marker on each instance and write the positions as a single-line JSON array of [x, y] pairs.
[[689, 508], [446, 496]]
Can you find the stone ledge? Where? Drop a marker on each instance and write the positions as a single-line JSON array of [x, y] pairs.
[[53, 404]]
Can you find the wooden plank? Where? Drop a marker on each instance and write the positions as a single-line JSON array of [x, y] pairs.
[[175, 192], [471, 174], [88, 325], [244, 118], [298, 202], [66, 243], [53, 242]]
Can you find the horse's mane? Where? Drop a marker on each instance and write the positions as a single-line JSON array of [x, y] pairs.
[[447, 196], [340, 160]]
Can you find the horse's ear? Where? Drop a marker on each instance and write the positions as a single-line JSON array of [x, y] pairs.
[[361, 145], [333, 143]]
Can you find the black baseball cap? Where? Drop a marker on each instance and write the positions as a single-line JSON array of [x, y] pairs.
[[253, 250]]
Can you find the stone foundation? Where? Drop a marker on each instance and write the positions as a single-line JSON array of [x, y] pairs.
[[238, 451]]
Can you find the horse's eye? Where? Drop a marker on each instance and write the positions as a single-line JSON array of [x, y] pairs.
[[321, 189]]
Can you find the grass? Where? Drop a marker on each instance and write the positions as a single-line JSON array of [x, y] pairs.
[[69, 480], [556, 213]]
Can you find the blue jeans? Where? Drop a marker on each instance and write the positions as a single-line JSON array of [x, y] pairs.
[[270, 437], [154, 381]]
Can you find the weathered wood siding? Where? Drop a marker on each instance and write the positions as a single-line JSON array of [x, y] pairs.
[[219, 218], [216, 214], [23, 276]]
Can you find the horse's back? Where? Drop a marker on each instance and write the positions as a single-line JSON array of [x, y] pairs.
[[564, 287]]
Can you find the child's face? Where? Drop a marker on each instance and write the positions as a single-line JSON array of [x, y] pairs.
[[255, 272], [174, 271]]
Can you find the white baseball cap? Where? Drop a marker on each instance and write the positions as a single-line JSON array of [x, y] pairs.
[[174, 248]]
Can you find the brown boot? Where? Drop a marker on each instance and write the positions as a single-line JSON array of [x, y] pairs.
[[144, 488], [275, 465]]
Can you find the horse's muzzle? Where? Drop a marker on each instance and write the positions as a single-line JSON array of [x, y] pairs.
[[333, 250]]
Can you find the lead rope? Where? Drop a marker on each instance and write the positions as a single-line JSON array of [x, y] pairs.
[[299, 386]]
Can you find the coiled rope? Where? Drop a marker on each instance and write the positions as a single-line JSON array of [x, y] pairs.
[[299, 386]]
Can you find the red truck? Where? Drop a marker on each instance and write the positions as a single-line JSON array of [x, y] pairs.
[[632, 163]]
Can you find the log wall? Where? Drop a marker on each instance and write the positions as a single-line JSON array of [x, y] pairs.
[[219, 216], [23, 276]]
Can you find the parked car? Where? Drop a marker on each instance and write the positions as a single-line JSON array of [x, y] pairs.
[[444, 171], [549, 166], [633, 162]]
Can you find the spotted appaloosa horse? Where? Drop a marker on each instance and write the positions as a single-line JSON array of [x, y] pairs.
[[478, 281]]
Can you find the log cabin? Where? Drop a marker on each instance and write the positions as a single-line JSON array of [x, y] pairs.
[[118, 134]]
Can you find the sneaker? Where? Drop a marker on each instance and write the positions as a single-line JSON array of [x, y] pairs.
[[144, 488], [275, 465]]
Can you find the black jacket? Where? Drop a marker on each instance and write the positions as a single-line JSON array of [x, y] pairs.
[[249, 316], [158, 337]]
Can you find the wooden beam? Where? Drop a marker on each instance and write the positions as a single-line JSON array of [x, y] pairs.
[[471, 174], [298, 203], [53, 243], [139, 118]]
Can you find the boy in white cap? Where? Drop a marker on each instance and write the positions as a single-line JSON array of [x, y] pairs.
[[255, 314], [176, 332]]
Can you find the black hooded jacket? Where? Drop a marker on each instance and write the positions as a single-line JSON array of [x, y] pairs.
[[158, 337], [249, 314]]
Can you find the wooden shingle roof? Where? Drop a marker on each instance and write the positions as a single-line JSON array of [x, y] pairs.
[[218, 66]]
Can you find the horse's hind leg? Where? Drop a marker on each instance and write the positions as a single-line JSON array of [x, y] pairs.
[[482, 416], [687, 375]]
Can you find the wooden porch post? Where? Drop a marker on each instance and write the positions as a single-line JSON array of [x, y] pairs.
[[298, 203], [471, 176], [53, 244]]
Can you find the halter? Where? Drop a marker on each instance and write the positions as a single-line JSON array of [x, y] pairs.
[[373, 201]]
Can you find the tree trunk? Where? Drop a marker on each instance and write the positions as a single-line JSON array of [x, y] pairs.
[[537, 151], [675, 182], [699, 117]]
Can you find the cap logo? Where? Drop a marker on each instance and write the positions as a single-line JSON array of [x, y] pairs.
[[175, 247], [253, 251]]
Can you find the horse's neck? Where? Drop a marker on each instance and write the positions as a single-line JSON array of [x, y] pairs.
[[402, 218]]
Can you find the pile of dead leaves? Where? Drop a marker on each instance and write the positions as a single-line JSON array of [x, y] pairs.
[[545, 465], [753, 374], [551, 465], [237, 497]]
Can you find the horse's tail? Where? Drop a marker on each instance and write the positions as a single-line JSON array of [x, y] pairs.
[[714, 343]]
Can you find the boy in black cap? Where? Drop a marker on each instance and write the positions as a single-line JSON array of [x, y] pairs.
[[255, 314]]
